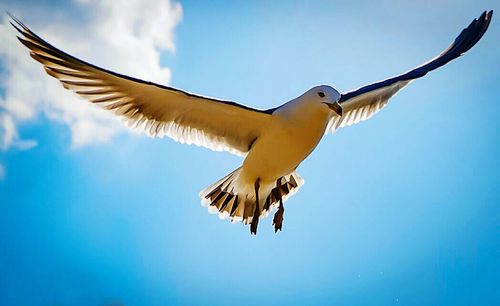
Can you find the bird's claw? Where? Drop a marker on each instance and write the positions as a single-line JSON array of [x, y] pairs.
[[253, 226], [278, 219]]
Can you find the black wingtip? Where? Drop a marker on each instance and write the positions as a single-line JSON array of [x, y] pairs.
[[14, 21], [13, 18], [467, 39], [18, 24]]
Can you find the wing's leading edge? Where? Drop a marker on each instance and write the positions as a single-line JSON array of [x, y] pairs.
[[362, 103], [155, 109]]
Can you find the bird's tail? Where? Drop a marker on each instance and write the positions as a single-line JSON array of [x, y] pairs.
[[229, 200]]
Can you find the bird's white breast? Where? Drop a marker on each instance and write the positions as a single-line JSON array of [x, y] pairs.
[[290, 137]]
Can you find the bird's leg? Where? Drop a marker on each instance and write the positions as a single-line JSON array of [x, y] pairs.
[[256, 213], [278, 216]]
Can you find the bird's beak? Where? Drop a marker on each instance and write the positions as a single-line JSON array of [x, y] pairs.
[[335, 107]]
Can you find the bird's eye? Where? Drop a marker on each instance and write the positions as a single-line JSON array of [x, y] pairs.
[[321, 94]]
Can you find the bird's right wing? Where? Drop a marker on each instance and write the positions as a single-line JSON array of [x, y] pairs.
[[155, 109], [361, 104]]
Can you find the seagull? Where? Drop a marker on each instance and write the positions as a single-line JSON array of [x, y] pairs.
[[273, 142]]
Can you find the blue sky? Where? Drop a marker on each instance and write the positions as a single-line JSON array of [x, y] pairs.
[[401, 209]]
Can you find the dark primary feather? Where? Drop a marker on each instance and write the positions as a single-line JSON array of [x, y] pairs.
[[466, 40]]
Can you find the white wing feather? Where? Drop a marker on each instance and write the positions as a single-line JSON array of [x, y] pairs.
[[154, 109], [362, 103]]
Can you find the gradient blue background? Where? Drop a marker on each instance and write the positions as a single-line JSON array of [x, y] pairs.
[[401, 209]]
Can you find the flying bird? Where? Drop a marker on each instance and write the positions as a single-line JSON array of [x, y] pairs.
[[273, 142]]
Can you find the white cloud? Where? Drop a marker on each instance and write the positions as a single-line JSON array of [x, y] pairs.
[[9, 137], [123, 36]]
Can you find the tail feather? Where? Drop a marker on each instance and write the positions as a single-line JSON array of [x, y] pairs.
[[225, 199], [286, 186]]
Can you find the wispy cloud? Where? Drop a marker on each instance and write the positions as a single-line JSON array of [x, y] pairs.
[[9, 136], [123, 36]]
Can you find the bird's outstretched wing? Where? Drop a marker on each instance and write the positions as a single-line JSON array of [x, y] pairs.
[[362, 103], [155, 109]]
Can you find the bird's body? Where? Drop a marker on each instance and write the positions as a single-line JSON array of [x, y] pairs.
[[292, 133], [274, 142], [286, 138]]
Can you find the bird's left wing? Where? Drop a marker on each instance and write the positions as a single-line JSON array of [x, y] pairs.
[[361, 104], [155, 109]]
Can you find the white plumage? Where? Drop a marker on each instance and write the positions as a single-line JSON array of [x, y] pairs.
[[274, 141]]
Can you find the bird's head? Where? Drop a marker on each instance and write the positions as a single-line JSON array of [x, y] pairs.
[[325, 96]]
